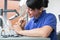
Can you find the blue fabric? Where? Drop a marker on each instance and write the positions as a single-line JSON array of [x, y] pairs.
[[43, 20]]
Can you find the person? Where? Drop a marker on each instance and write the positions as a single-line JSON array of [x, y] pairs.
[[41, 24]]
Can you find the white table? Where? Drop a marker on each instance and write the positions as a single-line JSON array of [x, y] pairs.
[[24, 38]]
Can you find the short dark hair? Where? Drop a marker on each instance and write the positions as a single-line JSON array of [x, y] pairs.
[[37, 4]]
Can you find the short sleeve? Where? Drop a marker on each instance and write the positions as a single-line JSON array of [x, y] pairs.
[[51, 21], [27, 26]]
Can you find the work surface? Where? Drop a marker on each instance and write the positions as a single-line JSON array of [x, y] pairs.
[[13, 36], [24, 38]]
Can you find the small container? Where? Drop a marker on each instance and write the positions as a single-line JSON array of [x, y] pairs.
[[2, 32]]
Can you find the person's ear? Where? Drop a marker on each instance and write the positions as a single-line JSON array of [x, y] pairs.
[[41, 9]]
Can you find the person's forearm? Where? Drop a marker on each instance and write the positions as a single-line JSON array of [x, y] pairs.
[[33, 33], [38, 32], [29, 33]]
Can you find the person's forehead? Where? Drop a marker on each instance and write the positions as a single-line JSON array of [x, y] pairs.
[[32, 9], [29, 8]]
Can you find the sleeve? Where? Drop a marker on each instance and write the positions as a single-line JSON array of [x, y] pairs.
[[51, 21], [28, 25]]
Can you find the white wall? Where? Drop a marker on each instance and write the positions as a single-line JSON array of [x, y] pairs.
[[54, 7]]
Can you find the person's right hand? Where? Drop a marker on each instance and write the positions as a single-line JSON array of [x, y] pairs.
[[21, 22]]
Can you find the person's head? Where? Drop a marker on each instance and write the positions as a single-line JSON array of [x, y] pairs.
[[35, 7]]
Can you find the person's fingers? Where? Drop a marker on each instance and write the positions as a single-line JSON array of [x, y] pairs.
[[11, 28]]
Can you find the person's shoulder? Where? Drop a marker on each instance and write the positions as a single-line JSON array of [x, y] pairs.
[[51, 15]]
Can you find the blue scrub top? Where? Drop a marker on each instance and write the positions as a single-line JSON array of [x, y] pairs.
[[43, 20]]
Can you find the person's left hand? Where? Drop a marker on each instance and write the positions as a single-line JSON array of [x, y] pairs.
[[17, 28]]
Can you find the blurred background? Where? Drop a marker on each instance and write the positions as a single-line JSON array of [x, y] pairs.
[[53, 7]]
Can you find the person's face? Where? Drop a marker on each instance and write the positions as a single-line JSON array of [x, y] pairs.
[[32, 13]]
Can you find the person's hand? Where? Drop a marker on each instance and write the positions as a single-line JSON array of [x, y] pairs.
[[21, 23], [16, 28]]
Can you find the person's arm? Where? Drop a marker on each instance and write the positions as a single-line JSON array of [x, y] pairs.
[[45, 31], [21, 23], [38, 32]]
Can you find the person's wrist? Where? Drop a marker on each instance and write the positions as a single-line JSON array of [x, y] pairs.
[[19, 32]]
